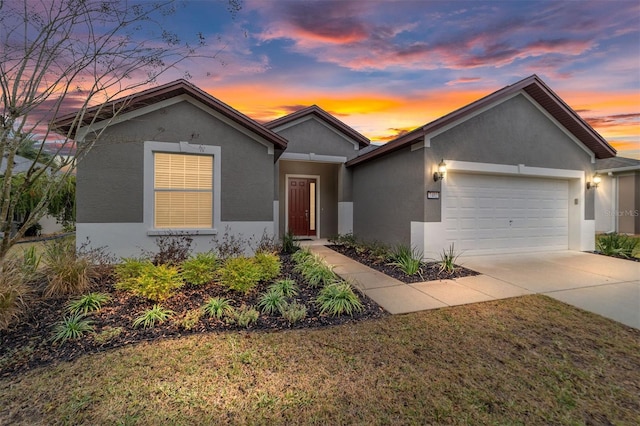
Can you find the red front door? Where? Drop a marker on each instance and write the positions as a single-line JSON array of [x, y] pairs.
[[301, 213]]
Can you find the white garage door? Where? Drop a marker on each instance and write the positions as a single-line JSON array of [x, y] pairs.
[[485, 214]]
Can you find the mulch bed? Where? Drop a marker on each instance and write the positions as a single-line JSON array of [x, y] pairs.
[[429, 271], [28, 344]]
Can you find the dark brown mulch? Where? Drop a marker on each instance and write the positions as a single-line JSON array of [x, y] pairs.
[[28, 345], [429, 271]]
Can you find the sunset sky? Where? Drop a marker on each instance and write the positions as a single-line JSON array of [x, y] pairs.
[[384, 67]]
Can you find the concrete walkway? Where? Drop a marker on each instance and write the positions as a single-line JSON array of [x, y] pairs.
[[607, 286]]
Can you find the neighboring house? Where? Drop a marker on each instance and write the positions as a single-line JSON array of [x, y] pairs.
[[178, 160], [21, 164], [618, 195]]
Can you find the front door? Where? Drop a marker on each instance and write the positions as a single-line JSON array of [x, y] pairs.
[[302, 206]]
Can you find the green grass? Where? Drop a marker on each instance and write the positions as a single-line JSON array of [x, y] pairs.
[[528, 360]]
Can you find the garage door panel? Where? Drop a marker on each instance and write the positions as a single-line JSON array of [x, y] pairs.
[[499, 214]]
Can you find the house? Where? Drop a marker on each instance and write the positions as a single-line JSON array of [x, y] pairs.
[[515, 167], [618, 196]]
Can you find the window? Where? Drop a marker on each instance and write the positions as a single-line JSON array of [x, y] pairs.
[[183, 190]]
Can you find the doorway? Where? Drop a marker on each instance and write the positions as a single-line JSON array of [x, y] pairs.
[[302, 200]]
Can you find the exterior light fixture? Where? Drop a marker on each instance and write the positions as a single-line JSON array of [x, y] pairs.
[[594, 181], [442, 170]]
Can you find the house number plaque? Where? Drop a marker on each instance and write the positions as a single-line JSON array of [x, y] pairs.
[[433, 195]]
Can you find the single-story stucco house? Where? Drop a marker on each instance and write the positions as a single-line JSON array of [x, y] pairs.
[[515, 168]]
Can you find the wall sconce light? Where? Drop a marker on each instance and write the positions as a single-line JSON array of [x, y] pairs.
[[594, 181], [442, 170]]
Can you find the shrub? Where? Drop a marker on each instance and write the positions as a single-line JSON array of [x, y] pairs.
[[150, 317], [172, 249], [408, 260], [287, 287], [14, 292], [338, 298], [71, 327], [240, 274], [156, 283], [88, 303], [230, 245], [190, 319], [272, 301], [448, 260], [200, 269], [66, 273], [218, 307], [347, 240], [245, 316], [269, 264], [300, 256], [294, 312], [617, 245], [267, 243], [289, 243], [315, 271], [131, 268]]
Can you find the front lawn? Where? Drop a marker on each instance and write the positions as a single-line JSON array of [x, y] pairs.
[[529, 360]]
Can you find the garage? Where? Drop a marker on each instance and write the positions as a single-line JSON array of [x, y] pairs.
[[492, 214]]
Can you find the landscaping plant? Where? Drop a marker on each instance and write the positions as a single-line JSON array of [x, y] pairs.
[[172, 250], [155, 283], [72, 327], [408, 260], [617, 245], [300, 256], [150, 317], [218, 307], [269, 264], [131, 268], [245, 316], [338, 298], [289, 243], [200, 269], [14, 291], [88, 303], [240, 273], [30, 262], [272, 301], [190, 319], [230, 246], [287, 287], [294, 312], [313, 269], [65, 272], [448, 260]]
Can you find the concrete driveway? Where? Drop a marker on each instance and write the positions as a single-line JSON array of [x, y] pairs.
[[607, 286]]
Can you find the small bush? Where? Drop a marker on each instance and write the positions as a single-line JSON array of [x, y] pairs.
[[617, 245], [71, 327], [150, 317], [218, 307], [107, 334], [240, 273], [448, 260], [267, 243], [315, 272], [88, 303], [289, 243], [200, 269], [66, 273], [300, 256], [131, 268], [408, 260], [272, 301], [14, 291], [269, 264], [155, 283], [337, 299], [190, 319], [346, 240], [245, 316], [287, 287], [230, 245], [172, 250], [294, 312]]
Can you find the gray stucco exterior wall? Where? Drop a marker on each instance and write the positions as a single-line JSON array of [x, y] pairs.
[[388, 194], [514, 132], [312, 136], [328, 192], [110, 177]]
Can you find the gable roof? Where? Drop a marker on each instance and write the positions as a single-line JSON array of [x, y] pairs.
[[617, 164], [537, 90], [161, 93], [329, 119]]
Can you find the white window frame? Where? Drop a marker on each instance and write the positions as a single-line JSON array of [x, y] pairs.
[[151, 147]]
